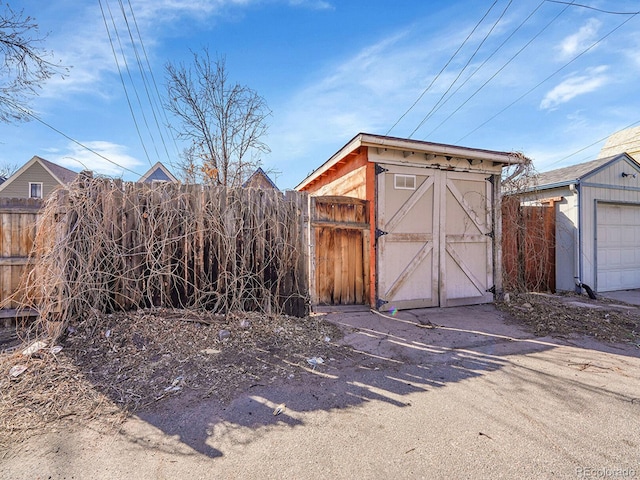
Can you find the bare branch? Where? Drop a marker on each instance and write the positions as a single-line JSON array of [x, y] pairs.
[[223, 122], [25, 66]]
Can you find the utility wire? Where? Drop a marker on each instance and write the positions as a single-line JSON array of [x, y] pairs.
[[145, 82], [592, 8], [35, 117], [547, 78], [133, 85], [495, 24], [443, 68], [155, 85], [501, 68], [505, 41], [115, 56], [595, 143]]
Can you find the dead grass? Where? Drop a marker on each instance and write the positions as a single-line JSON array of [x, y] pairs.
[[113, 365], [565, 315]]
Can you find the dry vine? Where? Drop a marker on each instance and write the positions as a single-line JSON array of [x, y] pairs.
[[528, 239], [104, 245]]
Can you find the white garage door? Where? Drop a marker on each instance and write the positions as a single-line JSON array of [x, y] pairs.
[[618, 247]]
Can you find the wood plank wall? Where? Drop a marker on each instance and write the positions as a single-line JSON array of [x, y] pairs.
[[18, 219], [341, 251]]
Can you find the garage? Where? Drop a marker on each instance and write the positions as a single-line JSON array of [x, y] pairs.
[[434, 233], [597, 218], [618, 246]]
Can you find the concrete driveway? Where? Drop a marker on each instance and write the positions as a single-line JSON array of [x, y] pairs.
[[473, 397]]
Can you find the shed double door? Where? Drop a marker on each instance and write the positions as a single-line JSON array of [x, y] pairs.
[[434, 238]]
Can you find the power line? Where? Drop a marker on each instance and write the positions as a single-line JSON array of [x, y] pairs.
[[443, 68], [35, 117], [144, 81], [595, 143], [155, 85], [546, 79], [504, 42], [503, 66], [592, 8], [495, 24], [115, 56]]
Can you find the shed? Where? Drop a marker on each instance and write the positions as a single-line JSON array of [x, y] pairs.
[[597, 208], [432, 237]]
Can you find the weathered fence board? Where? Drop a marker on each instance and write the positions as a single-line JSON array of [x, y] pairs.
[[528, 246], [18, 219], [104, 245], [340, 251]]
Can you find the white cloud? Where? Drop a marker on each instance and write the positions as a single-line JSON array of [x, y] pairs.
[[571, 87], [78, 158], [314, 4], [579, 41]]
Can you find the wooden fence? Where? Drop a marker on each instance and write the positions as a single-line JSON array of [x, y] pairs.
[[341, 251], [105, 245], [18, 220], [528, 247]]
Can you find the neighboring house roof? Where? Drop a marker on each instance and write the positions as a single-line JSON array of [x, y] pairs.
[[259, 179], [575, 173], [408, 145], [159, 173], [60, 174], [2, 180], [627, 141]]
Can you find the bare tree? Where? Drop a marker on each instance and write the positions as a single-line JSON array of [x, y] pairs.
[[223, 122], [7, 169], [25, 66]]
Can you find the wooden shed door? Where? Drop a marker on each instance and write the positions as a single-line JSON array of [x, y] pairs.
[[434, 245], [341, 251]]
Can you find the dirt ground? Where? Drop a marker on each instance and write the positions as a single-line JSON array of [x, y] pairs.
[[114, 366]]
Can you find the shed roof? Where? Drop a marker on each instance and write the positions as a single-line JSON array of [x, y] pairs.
[[405, 144], [574, 173]]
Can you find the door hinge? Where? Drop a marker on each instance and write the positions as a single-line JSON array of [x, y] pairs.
[[490, 234], [380, 233], [380, 169], [492, 290], [380, 302]]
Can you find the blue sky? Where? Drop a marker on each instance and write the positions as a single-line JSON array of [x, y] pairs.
[[548, 86]]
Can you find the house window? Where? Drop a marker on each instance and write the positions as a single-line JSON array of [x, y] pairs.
[[35, 189], [404, 182]]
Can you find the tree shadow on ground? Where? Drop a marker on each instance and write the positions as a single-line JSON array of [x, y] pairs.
[[390, 358]]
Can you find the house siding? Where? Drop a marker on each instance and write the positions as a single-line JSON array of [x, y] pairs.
[[19, 187], [606, 185]]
